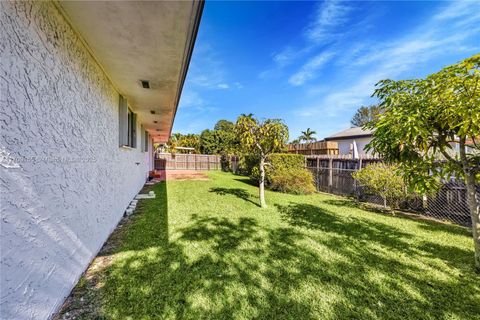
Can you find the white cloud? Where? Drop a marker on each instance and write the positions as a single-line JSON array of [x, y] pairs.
[[437, 36], [223, 86], [308, 70], [323, 28], [207, 69], [330, 14], [193, 104]]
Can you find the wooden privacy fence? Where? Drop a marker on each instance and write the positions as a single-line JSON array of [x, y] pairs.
[[333, 174], [169, 161]]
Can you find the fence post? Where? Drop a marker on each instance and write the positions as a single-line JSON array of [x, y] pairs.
[[330, 174]]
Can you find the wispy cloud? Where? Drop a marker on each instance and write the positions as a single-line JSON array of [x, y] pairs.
[[193, 103], [435, 37], [223, 86], [308, 71], [322, 29], [208, 70], [329, 16]]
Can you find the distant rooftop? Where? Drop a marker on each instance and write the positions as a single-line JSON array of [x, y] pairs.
[[354, 132]]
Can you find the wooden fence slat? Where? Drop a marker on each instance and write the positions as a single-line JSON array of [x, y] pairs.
[[167, 161]]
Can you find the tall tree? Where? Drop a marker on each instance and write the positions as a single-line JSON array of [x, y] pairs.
[[261, 138], [365, 114], [208, 142], [189, 140], [424, 120], [221, 140], [308, 137]]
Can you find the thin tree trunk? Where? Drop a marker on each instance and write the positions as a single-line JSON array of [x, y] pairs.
[[261, 188], [473, 202], [474, 206]]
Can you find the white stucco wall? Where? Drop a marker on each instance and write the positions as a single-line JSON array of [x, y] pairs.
[[344, 145], [59, 120]]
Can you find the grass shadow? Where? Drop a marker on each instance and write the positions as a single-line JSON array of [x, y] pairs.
[[247, 180], [316, 218], [237, 192], [426, 222]]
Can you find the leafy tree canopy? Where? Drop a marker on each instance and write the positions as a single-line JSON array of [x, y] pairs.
[[365, 115], [221, 140], [431, 127]]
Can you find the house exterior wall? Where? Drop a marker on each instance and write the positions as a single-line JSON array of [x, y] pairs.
[[344, 145], [68, 181]]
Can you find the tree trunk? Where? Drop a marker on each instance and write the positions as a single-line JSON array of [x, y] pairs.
[[261, 188], [473, 201], [474, 206]]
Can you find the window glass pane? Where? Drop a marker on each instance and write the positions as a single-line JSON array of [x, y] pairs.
[[130, 120], [122, 121]]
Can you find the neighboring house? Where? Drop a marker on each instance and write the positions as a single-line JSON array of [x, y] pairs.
[[86, 88], [348, 137]]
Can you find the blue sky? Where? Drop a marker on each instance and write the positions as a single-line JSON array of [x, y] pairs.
[[313, 64]]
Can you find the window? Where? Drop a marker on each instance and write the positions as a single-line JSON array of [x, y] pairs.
[[127, 125], [145, 139], [132, 129]]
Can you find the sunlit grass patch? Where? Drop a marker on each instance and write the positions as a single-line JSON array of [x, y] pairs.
[[205, 250]]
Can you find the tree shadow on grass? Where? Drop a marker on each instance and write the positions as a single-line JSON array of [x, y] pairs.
[[313, 217], [426, 223], [317, 265], [404, 289], [248, 181], [237, 192]]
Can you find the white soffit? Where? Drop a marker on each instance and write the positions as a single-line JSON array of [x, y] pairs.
[[141, 40]]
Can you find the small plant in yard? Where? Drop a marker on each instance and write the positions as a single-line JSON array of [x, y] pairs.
[[385, 180], [261, 138]]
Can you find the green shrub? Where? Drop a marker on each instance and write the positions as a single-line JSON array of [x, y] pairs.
[[246, 164], [296, 181], [384, 180], [285, 172], [277, 162]]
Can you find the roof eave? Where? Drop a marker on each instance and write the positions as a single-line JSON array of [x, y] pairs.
[[187, 58]]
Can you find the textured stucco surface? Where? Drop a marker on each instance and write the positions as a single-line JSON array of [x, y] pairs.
[[59, 121]]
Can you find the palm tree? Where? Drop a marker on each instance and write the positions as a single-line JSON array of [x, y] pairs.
[[308, 137]]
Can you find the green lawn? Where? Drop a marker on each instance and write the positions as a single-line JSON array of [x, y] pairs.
[[205, 250]]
